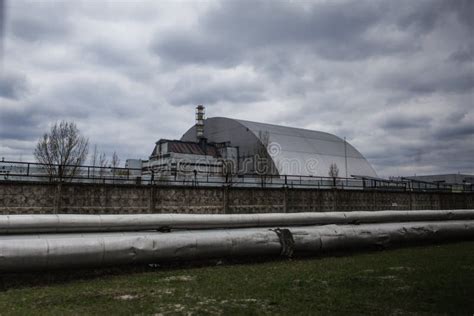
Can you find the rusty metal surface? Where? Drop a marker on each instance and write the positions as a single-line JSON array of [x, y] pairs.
[[191, 148]]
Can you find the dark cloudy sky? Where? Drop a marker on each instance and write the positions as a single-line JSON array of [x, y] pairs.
[[395, 77]]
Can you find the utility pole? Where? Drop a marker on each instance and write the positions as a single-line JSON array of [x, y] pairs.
[[345, 157]]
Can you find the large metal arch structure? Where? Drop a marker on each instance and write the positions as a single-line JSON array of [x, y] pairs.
[[293, 151]]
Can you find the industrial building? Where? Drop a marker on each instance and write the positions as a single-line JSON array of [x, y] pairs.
[[457, 181], [450, 178], [220, 146]]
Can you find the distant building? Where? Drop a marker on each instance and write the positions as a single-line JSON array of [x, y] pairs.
[[450, 178], [176, 158], [219, 146], [291, 151]]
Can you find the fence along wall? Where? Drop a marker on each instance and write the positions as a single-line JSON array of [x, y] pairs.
[[77, 198]]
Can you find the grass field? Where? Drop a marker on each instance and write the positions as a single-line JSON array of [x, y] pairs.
[[419, 281]]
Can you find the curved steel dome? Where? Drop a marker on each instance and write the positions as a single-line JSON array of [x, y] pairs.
[[293, 151]]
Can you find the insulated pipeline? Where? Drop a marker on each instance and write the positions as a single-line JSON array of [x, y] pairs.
[[62, 223], [45, 251]]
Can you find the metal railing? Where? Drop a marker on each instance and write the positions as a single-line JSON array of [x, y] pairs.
[[31, 171]]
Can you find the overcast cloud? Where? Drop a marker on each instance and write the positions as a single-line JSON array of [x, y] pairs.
[[394, 77]]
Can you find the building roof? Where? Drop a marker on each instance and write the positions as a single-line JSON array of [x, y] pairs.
[[294, 151], [186, 147]]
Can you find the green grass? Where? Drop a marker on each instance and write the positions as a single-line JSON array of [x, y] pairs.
[[421, 281]]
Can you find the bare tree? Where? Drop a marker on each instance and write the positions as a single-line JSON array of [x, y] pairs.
[[62, 150], [114, 164], [115, 160], [94, 160], [103, 161], [333, 173], [333, 170], [94, 156]]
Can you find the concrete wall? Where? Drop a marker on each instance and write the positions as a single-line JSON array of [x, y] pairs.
[[37, 198]]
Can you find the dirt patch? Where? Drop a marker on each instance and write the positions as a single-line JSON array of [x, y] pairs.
[[126, 297], [179, 278], [401, 268]]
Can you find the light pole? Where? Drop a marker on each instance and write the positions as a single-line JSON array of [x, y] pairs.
[[345, 157]]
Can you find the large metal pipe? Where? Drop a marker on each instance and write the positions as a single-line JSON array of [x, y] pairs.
[[26, 252], [15, 224]]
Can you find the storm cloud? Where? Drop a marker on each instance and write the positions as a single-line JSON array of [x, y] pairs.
[[394, 77]]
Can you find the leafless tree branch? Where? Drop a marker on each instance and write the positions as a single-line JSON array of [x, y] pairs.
[[62, 150]]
